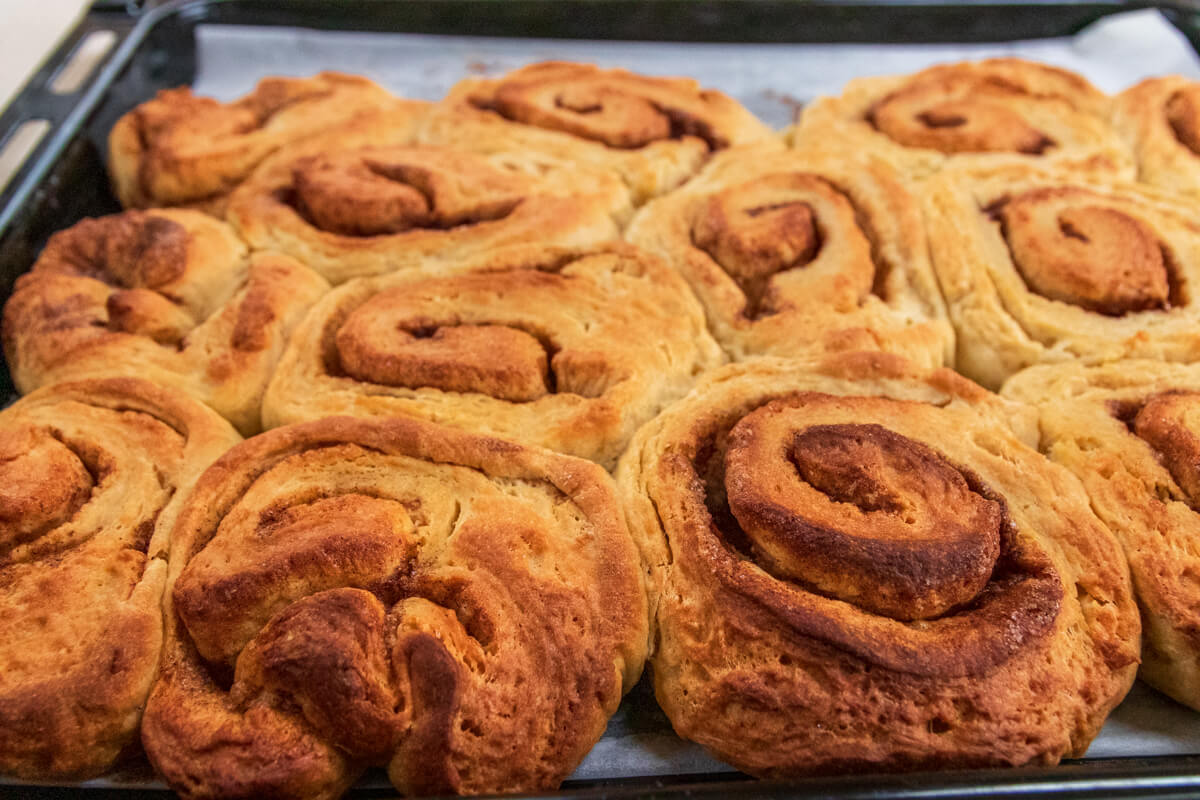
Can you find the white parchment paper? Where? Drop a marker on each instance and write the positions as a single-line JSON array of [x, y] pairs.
[[772, 80]]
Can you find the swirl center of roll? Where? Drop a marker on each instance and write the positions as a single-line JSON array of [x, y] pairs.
[[1070, 246], [133, 250], [43, 482], [607, 112], [1183, 115], [507, 363], [1168, 422], [861, 513], [386, 190], [782, 222], [262, 564], [957, 118]]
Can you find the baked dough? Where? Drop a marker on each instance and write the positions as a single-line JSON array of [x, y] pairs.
[[572, 350], [861, 565], [179, 149], [653, 132], [1160, 120], [973, 114], [352, 592], [365, 199], [1129, 431], [794, 254], [1048, 266], [92, 474], [169, 295]]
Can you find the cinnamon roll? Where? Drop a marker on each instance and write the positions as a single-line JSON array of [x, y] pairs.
[[796, 254], [182, 150], [1128, 430], [861, 565], [1160, 120], [653, 132], [365, 199], [349, 592], [572, 350], [168, 295], [1047, 266], [92, 474], [974, 114]]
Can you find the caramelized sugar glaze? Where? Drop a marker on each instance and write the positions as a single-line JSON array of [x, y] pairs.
[[857, 568], [347, 593], [92, 474], [168, 295]]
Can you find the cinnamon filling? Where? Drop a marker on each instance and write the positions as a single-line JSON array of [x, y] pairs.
[[611, 113], [856, 535], [865, 515], [759, 230], [388, 190], [43, 484], [958, 116], [1070, 246], [1169, 422]]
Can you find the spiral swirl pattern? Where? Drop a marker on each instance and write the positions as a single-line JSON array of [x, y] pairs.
[[971, 114], [179, 149], [1070, 246], [366, 200], [655, 132], [1159, 119], [852, 572], [168, 294], [799, 254], [572, 350], [350, 592], [90, 474], [1048, 266], [1130, 431]]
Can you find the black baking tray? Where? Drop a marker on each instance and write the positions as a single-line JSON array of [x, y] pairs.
[[63, 180]]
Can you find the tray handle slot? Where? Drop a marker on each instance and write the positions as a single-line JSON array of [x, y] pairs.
[[83, 61], [18, 145]]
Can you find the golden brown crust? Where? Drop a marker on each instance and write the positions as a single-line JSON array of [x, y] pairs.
[[971, 114], [479, 603], [92, 474], [365, 200], [1049, 266], [179, 149], [1129, 431], [1160, 120], [858, 475], [795, 254], [168, 295], [654, 132], [572, 350]]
